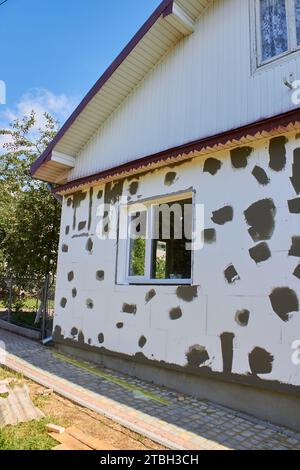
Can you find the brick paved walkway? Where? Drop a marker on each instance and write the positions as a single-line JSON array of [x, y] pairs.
[[180, 423]]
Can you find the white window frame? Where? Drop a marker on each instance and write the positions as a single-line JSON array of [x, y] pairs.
[[256, 31], [123, 256]]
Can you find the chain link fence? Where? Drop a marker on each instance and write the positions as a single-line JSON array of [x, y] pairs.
[[28, 303]]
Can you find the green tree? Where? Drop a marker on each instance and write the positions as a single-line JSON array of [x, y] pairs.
[[29, 214], [138, 257]]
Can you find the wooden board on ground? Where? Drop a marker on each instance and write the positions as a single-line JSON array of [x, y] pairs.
[[75, 439], [88, 440], [69, 441]]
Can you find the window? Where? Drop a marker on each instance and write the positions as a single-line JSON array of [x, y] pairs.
[[159, 240], [278, 28]]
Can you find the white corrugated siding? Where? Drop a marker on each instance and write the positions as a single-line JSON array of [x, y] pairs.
[[202, 87]]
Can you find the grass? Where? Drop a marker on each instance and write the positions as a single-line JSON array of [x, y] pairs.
[[27, 436], [26, 313], [29, 304], [110, 378], [8, 374]]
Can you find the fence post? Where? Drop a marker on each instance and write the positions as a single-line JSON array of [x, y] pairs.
[[10, 289], [45, 301]]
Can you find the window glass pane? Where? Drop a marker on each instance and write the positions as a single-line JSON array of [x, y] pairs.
[[137, 254], [297, 8], [172, 224], [274, 36], [159, 260]]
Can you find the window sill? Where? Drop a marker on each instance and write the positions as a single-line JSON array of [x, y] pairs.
[[276, 61], [159, 282]]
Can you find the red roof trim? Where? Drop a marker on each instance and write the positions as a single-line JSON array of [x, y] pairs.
[[169, 10], [267, 125], [46, 156]]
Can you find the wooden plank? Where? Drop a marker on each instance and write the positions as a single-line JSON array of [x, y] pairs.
[[69, 441], [88, 440], [54, 428]]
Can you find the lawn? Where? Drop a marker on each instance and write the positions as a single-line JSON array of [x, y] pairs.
[[27, 436], [27, 314], [29, 304]]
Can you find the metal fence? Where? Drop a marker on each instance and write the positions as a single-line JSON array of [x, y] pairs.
[[28, 303]]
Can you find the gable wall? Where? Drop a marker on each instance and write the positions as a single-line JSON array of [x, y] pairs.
[[203, 87]]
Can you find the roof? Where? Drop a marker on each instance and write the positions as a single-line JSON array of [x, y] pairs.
[[170, 22], [245, 135]]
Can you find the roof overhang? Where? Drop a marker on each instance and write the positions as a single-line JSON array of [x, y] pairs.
[[260, 130], [170, 22]]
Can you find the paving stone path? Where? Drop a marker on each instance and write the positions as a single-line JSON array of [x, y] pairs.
[[178, 422]]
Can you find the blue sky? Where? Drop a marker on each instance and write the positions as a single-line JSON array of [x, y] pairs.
[[53, 51]]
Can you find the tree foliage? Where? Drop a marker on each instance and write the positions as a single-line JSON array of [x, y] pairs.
[[138, 257], [29, 214]]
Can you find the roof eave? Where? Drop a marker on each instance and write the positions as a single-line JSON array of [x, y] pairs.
[[244, 135]]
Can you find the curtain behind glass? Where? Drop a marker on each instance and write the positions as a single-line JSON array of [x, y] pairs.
[[274, 36]]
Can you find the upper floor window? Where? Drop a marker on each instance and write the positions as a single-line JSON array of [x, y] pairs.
[[278, 28]]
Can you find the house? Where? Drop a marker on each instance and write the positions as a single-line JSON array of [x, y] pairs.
[[196, 111]]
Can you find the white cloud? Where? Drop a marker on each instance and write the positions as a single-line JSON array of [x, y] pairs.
[[40, 100]]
